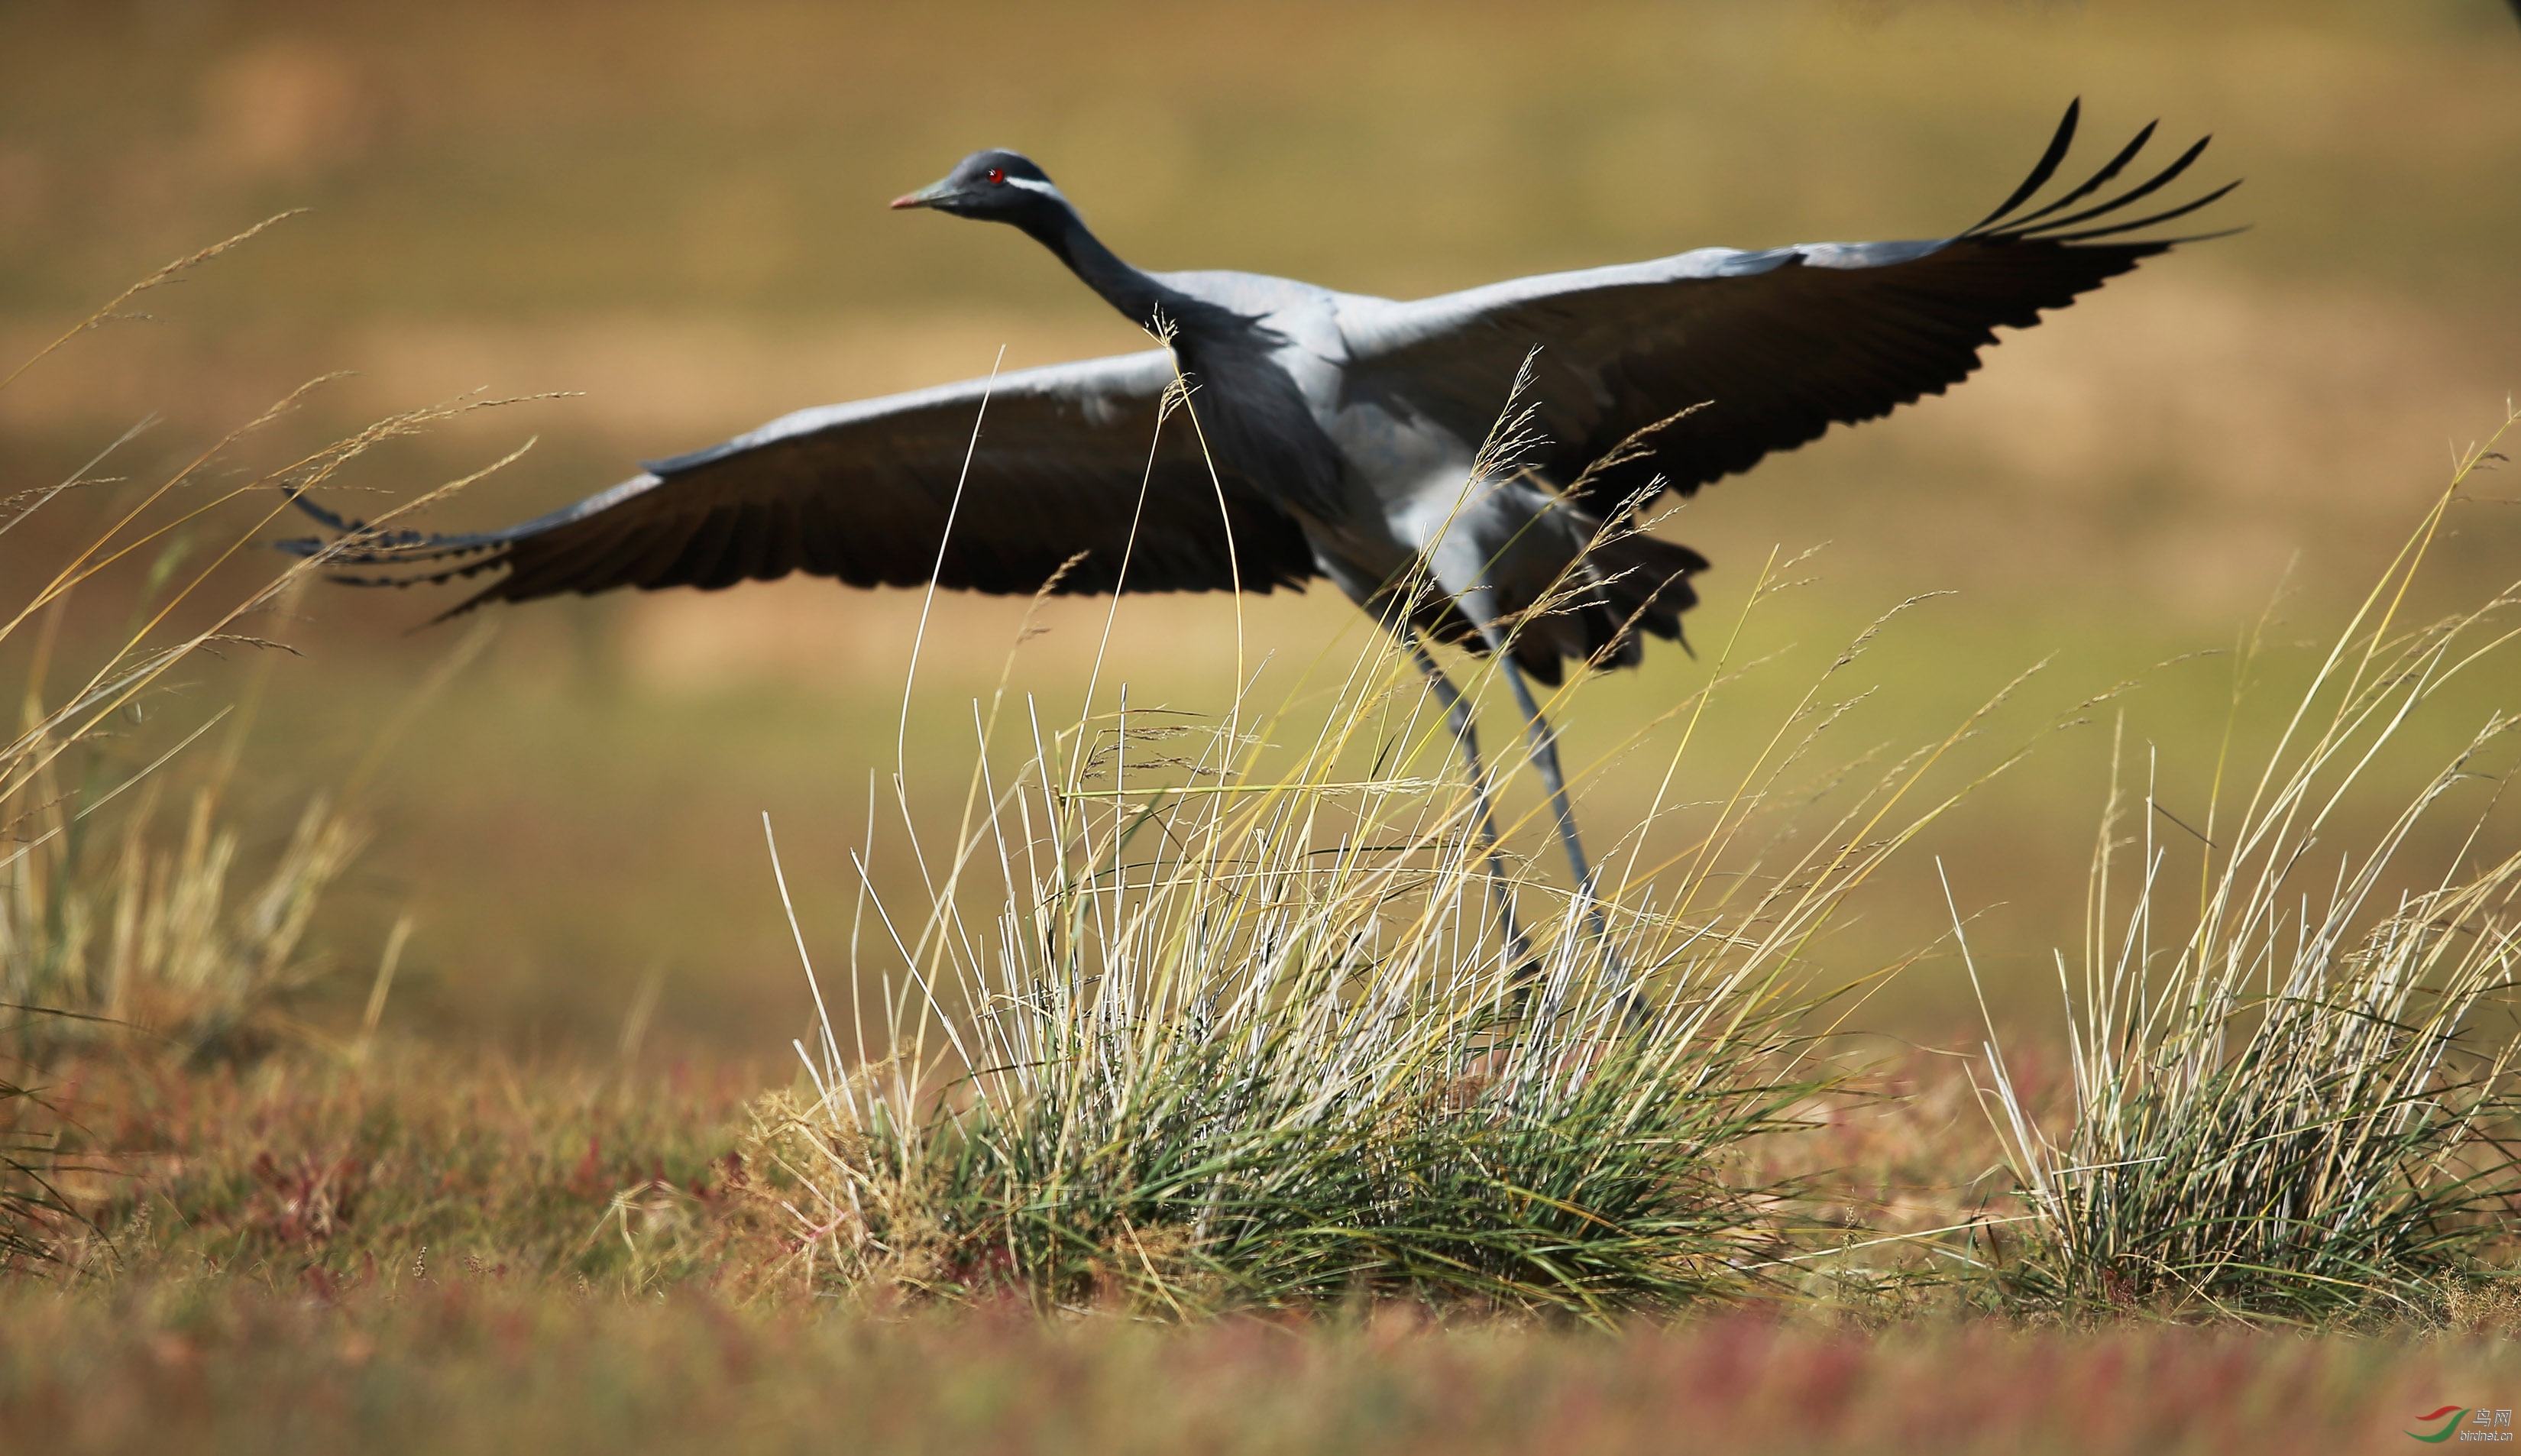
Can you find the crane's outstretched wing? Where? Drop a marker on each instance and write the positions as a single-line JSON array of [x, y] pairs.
[[1777, 344], [861, 492]]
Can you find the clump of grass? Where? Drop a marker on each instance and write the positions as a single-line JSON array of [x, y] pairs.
[[107, 928], [2276, 1107], [1235, 1033], [149, 941], [1302, 1122]]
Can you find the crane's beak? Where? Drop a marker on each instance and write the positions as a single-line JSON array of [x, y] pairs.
[[926, 196]]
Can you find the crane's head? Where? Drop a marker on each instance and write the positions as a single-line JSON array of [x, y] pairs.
[[1001, 186]]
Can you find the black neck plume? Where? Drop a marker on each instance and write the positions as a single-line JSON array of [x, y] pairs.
[[1056, 226]]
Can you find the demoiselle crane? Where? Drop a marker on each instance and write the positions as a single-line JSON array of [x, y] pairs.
[[1335, 434]]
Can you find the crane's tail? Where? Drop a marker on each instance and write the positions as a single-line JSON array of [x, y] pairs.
[[1646, 583], [1625, 583]]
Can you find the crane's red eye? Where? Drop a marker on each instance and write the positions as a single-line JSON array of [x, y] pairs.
[[998, 174]]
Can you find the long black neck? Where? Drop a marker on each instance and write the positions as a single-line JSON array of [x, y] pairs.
[[1056, 226], [1261, 429]]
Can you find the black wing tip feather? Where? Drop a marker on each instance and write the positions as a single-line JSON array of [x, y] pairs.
[[357, 543], [2044, 226], [2041, 171]]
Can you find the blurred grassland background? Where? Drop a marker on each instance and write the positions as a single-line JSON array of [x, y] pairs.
[[677, 211]]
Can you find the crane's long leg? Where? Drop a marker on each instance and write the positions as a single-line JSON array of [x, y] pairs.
[[1457, 716], [1544, 758]]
